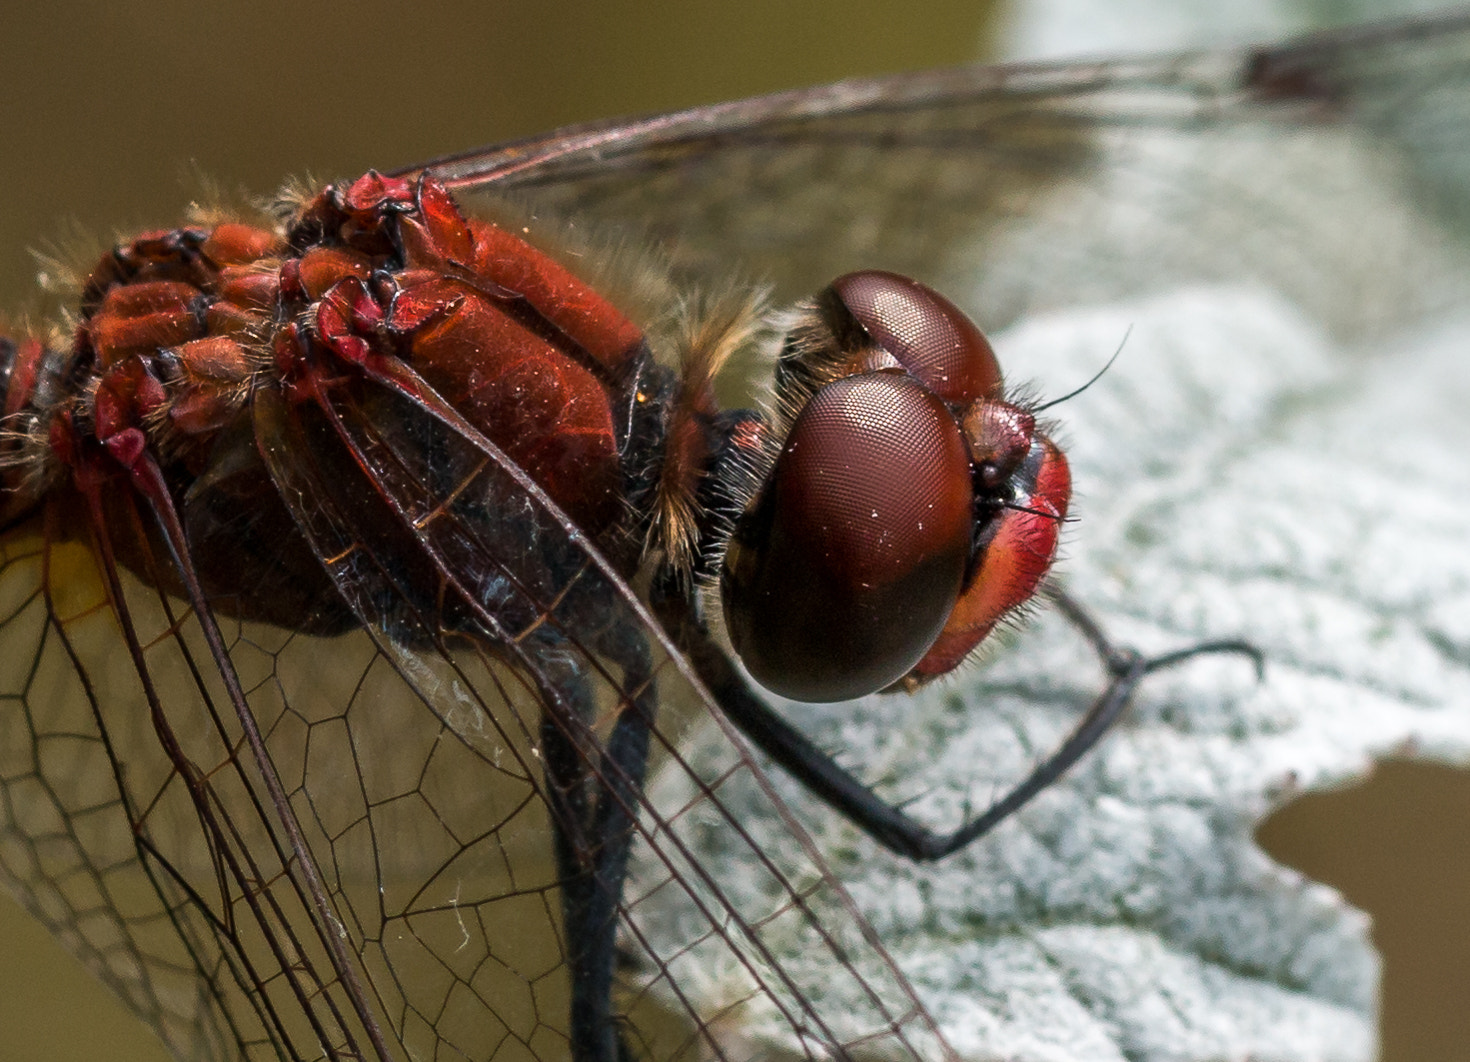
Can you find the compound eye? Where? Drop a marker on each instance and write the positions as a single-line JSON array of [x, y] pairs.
[[929, 335], [842, 575]]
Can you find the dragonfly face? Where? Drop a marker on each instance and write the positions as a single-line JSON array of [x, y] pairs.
[[269, 451]]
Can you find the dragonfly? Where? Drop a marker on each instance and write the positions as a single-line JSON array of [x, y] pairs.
[[327, 739]]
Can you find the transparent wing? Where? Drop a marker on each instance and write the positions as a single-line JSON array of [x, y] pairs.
[[509, 642], [136, 826], [405, 900], [1031, 186]]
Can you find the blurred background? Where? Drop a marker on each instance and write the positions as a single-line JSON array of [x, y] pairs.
[[110, 112]]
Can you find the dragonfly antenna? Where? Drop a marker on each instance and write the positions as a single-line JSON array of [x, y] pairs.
[[1096, 376]]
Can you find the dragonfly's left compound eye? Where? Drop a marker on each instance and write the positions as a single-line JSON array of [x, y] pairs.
[[843, 574]]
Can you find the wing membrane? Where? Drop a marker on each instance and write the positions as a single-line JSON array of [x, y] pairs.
[[1036, 186], [151, 847], [471, 665]]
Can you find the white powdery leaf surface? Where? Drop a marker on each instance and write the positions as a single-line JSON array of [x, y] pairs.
[[1237, 474]]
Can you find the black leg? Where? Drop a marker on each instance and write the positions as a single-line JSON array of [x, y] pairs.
[[594, 810], [886, 824]]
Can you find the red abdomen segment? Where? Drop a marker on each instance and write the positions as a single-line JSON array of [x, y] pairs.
[[179, 326]]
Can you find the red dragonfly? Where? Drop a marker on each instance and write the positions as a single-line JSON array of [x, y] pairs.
[[327, 691]]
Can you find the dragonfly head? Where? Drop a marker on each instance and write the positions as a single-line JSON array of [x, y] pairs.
[[908, 506]]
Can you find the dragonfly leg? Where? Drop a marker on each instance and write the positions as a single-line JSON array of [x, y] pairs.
[[594, 795], [890, 826]]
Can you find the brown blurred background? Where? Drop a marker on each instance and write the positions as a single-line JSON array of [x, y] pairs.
[[108, 110]]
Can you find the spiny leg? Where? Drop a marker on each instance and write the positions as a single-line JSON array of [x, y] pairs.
[[887, 824], [1126, 668]]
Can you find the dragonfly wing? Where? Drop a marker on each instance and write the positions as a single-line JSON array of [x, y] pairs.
[[1027, 187], [136, 825], [457, 919], [405, 738]]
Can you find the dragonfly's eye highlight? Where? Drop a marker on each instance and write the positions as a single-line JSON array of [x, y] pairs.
[[928, 335], [842, 575]]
